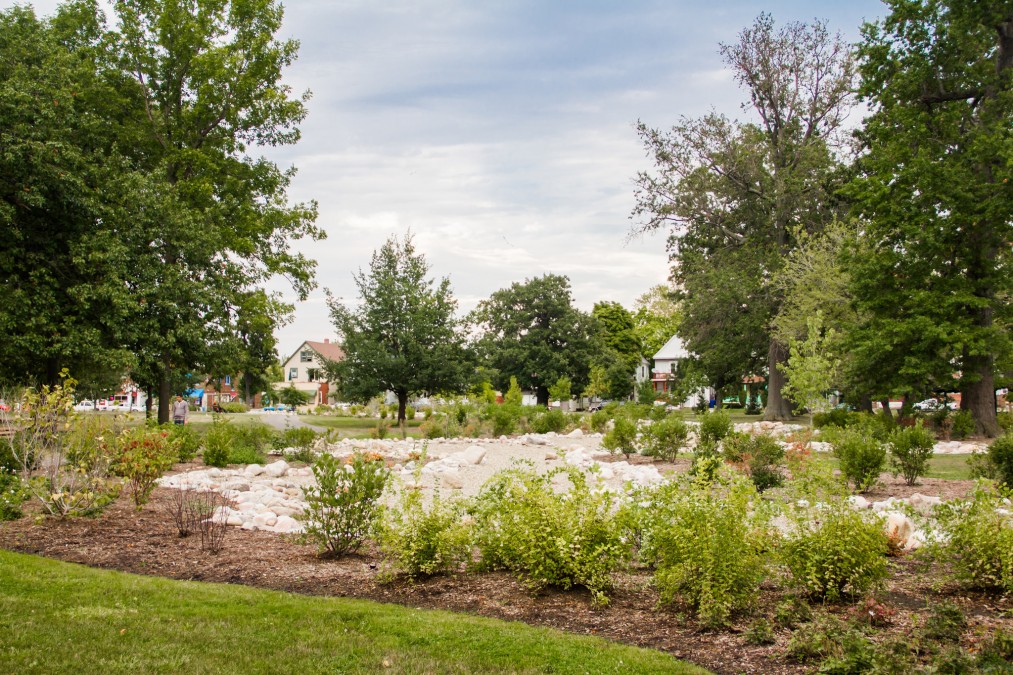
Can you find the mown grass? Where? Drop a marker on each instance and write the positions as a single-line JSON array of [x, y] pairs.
[[57, 617], [948, 467]]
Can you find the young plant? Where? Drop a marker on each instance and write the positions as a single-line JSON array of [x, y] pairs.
[[978, 538], [910, 450], [1000, 459], [142, 456], [862, 458], [665, 438], [622, 437], [343, 506], [715, 426], [419, 540]]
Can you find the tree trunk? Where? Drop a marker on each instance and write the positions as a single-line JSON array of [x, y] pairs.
[[164, 392], [865, 403], [885, 402], [978, 397], [778, 409], [402, 404], [542, 394], [149, 401]]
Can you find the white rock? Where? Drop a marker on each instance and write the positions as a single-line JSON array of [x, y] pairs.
[[551, 456], [452, 481], [898, 527], [234, 521], [576, 433], [924, 504], [276, 469], [267, 518], [472, 455], [253, 470], [858, 502], [249, 525], [287, 524]]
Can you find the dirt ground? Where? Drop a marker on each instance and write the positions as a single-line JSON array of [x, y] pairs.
[[146, 542]]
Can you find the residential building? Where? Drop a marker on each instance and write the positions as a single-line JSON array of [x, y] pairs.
[[305, 368]]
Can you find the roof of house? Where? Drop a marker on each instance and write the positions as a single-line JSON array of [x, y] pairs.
[[330, 351], [673, 349]]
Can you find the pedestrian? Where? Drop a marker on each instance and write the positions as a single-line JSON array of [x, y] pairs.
[[179, 411]]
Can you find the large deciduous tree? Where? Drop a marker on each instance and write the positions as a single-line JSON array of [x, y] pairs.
[[403, 337], [733, 194], [217, 222], [936, 195], [532, 331]]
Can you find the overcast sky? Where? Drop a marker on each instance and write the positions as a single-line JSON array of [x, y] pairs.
[[501, 133]]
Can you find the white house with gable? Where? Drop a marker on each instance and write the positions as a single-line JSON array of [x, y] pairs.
[[666, 364], [305, 368]]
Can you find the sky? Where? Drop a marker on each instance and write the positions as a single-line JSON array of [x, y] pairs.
[[500, 133]]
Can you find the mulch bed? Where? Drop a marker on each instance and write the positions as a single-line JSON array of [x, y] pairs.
[[146, 542]]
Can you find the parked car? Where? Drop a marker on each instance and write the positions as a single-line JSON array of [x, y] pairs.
[[85, 406], [103, 404], [595, 407], [929, 405]]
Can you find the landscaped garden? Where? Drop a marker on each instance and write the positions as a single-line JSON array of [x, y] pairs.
[[757, 547]]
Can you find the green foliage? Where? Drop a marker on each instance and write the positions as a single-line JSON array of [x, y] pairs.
[[665, 438], [978, 538], [524, 329], [910, 450], [504, 419], [514, 396], [420, 540], [838, 417], [548, 420], [186, 440], [715, 426], [862, 458], [760, 633], [646, 393], [816, 641], [343, 507], [293, 397], [141, 457], [1000, 458], [561, 391], [217, 444], [759, 454], [835, 551], [600, 420], [811, 368], [12, 495], [235, 407], [622, 437], [962, 424], [945, 622], [706, 541], [297, 437], [548, 538], [440, 425]]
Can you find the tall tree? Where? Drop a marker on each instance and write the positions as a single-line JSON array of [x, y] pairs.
[[403, 337], [722, 186], [217, 224], [936, 195], [532, 331], [656, 315]]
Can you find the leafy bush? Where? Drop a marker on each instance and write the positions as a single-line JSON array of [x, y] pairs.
[[12, 495], [186, 440], [1005, 420], [409, 413], [382, 428], [297, 437], [622, 437], [979, 538], [549, 538], [423, 541], [440, 425], [910, 450], [550, 420], [252, 440], [819, 640], [217, 444], [760, 633], [142, 456], [945, 622], [834, 551], [235, 407], [838, 417], [665, 438], [600, 420], [760, 456], [706, 542], [504, 419], [1000, 457], [862, 458], [963, 424], [343, 506], [715, 426]]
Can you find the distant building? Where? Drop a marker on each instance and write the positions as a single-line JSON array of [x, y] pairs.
[[666, 365], [305, 368]]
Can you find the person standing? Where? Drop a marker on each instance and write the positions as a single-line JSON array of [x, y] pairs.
[[180, 408]]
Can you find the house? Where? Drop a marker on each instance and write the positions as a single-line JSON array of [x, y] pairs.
[[666, 365], [305, 368]]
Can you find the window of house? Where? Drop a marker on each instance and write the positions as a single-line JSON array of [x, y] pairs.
[[312, 374], [293, 373], [674, 364], [228, 380], [305, 356]]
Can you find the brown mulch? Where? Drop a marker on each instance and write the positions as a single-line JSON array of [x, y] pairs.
[[146, 542]]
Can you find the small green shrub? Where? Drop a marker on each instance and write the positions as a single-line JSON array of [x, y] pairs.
[[245, 454], [838, 417], [910, 450], [504, 419], [382, 428], [440, 425], [235, 407], [962, 425], [409, 413], [548, 538], [715, 426], [420, 541], [759, 455], [343, 506], [12, 495], [186, 440], [1005, 420], [793, 611], [817, 641], [550, 420], [1000, 457], [256, 439], [706, 542], [297, 437], [622, 437], [217, 444], [979, 538], [945, 622], [665, 438], [657, 413], [760, 633], [835, 551], [599, 421], [142, 455], [861, 457]]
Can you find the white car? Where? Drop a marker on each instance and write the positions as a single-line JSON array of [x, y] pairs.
[[103, 404], [85, 406], [929, 405]]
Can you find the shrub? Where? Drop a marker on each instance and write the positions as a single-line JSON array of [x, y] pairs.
[[342, 508], [504, 419], [760, 633], [600, 420], [835, 551], [760, 456], [12, 495], [862, 458], [142, 456], [298, 437], [715, 426], [217, 444], [257, 439], [245, 454], [665, 438], [945, 622], [910, 450], [382, 428], [793, 611], [550, 420], [622, 437], [979, 538], [440, 425], [819, 640], [1005, 420], [423, 541], [1000, 457], [838, 417], [186, 440], [235, 407], [409, 413], [706, 542], [549, 538], [963, 424]]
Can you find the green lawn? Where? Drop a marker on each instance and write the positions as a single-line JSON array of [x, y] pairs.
[[950, 467], [57, 618], [360, 427]]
